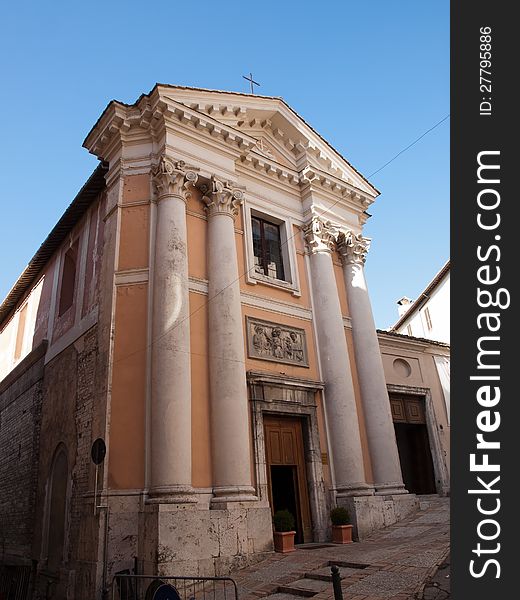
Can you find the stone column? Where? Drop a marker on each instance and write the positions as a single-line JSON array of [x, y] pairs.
[[340, 403], [228, 391], [170, 479], [378, 416]]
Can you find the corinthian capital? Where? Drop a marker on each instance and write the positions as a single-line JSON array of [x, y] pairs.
[[353, 248], [173, 178], [320, 235], [220, 197]]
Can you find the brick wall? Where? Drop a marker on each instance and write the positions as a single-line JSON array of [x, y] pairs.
[[20, 418]]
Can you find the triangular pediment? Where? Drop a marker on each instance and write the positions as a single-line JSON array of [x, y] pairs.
[[282, 135]]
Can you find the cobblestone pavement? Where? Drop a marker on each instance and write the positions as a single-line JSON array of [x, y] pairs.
[[397, 562]]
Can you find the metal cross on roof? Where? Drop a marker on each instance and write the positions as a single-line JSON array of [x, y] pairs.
[[251, 82]]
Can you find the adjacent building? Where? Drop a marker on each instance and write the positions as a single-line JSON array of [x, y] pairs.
[[429, 315]]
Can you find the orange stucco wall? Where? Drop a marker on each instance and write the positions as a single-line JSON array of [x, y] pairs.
[[340, 284], [200, 405], [197, 240], [136, 188], [127, 442], [134, 237]]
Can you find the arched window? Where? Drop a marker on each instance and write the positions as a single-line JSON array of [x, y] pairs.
[[57, 509], [68, 279]]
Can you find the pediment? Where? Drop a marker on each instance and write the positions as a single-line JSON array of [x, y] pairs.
[[262, 132], [282, 135], [266, 148]]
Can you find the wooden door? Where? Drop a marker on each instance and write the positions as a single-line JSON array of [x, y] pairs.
[[286, 468], [408, 413]]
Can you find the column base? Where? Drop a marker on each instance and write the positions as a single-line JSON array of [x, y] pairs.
[[194, 540], [171, 494], [370, 513], [390, 489], [232, 493], [354, 489]]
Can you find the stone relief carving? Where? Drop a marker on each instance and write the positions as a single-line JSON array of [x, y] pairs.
[[278, 343], [263, 148]]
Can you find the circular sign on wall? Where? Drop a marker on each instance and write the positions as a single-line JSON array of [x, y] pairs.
[[98, 451]]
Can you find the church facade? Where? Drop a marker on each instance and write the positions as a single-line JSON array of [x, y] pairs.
[[192, 348]]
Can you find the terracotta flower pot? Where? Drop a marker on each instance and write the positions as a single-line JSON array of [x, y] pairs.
[[284, 541], [342, 534]]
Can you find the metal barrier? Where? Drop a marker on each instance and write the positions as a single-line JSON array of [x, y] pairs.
[[148, 587], [15, 582]]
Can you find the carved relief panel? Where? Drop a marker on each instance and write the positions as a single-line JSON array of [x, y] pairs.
[[277, 343]]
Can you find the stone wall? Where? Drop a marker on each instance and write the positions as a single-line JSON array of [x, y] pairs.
[[20, 417], [83, 531], [69, 393]]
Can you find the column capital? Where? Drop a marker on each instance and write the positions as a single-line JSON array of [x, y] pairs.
[[221, 198], [173, 178], [320, 235], [353, 248]]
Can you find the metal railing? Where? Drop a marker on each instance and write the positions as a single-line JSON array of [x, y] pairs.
[[15, 582], [148, 587]]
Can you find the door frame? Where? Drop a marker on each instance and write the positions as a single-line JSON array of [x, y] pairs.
[[440, 470], [281, 395], [300, 483]]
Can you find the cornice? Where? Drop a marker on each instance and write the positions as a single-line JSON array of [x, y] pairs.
[[393, 339], [271, 168], [268, 377], [206, 123], [315, 179], [150, 116], [309, 179]]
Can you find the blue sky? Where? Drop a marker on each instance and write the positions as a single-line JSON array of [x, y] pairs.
[[371, 77]]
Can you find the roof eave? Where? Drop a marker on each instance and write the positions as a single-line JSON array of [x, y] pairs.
[[72, 215]]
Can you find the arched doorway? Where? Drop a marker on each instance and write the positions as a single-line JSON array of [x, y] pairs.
[[57, 509]]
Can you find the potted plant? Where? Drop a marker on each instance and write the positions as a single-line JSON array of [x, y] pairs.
[[341, 527], [284, 532]]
